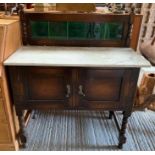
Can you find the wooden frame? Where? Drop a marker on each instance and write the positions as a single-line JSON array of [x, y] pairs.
[[119, 84], [26, 17], [130, 34], [27, 92]]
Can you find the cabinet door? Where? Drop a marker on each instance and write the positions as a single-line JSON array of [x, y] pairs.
[[43, 87], [101, 88]]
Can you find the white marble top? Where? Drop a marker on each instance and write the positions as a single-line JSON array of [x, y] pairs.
[[76, 57]]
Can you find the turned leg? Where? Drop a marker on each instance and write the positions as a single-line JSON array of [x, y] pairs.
[[21, 135], [122, 138], [110, 114]]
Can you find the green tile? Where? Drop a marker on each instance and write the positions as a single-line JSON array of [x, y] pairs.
[[39, 29], [78, 30], [111, 31], [58, 30], [97, 31]]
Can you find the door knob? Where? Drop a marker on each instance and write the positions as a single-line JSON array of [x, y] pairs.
[[68, 87], [81, 90]]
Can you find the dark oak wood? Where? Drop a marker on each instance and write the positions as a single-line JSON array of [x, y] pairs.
[[101, 88], [85, 88], [136, 20], [131, 27], [122, 138], [42, 86], [26, 17], [47, 86], [22, 134], [89, 88]]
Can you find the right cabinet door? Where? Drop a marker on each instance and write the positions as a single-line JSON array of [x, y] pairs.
[[101, 88]]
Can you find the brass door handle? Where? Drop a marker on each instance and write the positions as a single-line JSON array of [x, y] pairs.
[[81, 90], [68, 87]]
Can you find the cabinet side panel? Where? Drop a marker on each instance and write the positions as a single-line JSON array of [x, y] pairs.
[[2, 40], [13, 39]]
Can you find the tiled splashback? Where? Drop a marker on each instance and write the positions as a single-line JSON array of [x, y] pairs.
[[76, 30]]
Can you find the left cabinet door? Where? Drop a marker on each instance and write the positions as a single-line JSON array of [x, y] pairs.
[[41, 87]]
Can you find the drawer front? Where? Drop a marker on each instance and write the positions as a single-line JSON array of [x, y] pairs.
[[42, 86], [101, 88], [5, 136]]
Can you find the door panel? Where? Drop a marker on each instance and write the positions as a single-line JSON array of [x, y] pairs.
[[47, 85], [97, 89], [100, 88], [69, 88], [43, 87]]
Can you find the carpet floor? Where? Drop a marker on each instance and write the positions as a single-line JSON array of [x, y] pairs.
[[88, 131]]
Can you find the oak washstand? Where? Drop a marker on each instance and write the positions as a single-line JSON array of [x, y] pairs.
[[65, 77]]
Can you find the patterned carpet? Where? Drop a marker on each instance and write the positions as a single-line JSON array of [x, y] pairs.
[[84, 130]]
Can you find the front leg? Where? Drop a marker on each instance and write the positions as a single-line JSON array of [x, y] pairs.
[[122, 138], [21, 134]]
